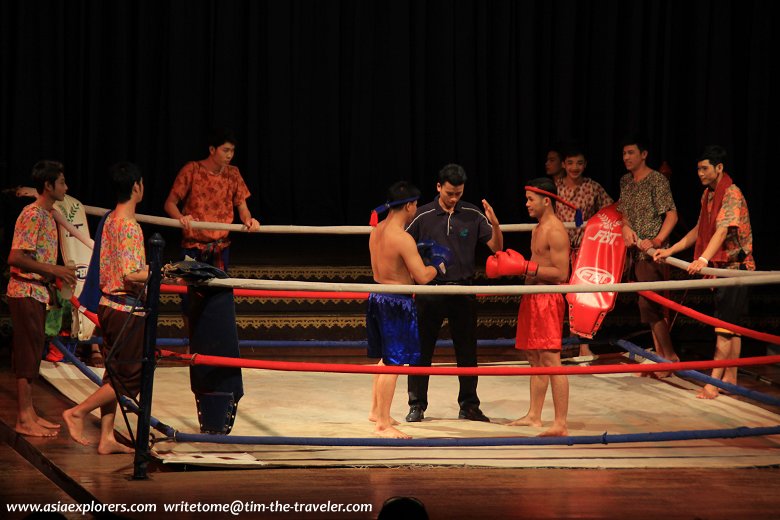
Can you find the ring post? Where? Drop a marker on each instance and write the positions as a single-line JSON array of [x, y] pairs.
[[156, 244]]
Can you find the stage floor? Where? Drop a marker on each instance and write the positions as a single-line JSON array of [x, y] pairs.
[[447, 491]]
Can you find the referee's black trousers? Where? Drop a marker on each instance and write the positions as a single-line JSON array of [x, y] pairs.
[[461, 312]]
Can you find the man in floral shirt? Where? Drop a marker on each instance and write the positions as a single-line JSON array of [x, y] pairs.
[[649, 216], [723, 238], [33, 260], [209, 190], [123, 271], [583, 192]]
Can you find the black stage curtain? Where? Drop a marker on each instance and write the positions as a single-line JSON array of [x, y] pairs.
[[333, 101]]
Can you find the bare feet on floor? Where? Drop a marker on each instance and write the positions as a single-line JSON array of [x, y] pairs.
[[708, 392], [75, 427], [47, 424], [660, 374], [526, 421], [654, 375], [33, 429], [372, 418], [555, 431], [391, 433], [108, 447], [667, 373]]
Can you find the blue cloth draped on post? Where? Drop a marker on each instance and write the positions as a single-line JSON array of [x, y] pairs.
[[90, 293], [212, 323]]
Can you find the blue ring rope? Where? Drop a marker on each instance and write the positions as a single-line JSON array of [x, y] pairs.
[[604, 438], [693, 374]]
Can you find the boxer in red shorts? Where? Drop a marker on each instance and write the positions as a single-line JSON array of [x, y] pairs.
[[540, 319]]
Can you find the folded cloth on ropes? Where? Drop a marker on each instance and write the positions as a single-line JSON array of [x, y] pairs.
[[192, 271]]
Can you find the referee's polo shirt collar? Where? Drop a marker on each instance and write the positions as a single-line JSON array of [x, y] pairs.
[[442, 211]]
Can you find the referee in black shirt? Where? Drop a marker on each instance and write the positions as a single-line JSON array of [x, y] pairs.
[[459, 226]]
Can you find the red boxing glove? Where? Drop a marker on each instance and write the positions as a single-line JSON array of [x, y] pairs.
[[509, 263], [491, 267], [513, 263]]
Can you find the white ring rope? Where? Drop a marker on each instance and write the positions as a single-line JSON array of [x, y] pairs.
[[77, 233], [360, 230], [276, 285], [357, 230], [300, 230], [711, 271]]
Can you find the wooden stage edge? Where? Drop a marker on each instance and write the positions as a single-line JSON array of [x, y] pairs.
[[46, 471]]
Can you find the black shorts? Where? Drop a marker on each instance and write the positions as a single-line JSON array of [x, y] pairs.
[[645, 270], [731, 305]]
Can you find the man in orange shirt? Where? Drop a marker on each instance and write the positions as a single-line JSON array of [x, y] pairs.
[[209, 190]]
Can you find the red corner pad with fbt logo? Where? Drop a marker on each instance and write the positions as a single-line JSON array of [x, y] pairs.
[[600, 261]]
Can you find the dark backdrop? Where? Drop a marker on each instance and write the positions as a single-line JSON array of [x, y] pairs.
[[334, 100]]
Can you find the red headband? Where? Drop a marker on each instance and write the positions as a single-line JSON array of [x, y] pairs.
[[551, 195], [577, 212]]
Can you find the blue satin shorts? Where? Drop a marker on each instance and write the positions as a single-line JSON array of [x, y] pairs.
[[391, 323]]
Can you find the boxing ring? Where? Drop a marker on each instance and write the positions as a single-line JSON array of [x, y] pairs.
[[279, 399]]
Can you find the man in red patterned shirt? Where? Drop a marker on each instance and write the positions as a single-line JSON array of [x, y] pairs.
[[723, 238], [209, 190], [583, 192], [33, 262], [123, 272]]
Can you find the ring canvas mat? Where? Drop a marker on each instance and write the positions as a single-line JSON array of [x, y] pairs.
[[305, 404]]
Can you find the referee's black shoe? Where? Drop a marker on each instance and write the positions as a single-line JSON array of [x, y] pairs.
[[416, 413], [472, 413]]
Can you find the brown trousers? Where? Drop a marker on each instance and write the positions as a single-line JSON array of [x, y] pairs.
[[125, 362], [28, 318]]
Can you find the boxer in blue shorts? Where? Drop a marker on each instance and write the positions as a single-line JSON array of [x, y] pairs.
[[391, 319]]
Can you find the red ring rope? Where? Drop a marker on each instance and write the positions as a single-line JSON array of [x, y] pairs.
[[290, 366], [265, 293], [709, 320], [77, 305], [257, 293]]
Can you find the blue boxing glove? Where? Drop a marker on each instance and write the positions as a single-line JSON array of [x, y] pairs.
[[435, 254], [424, 248]]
